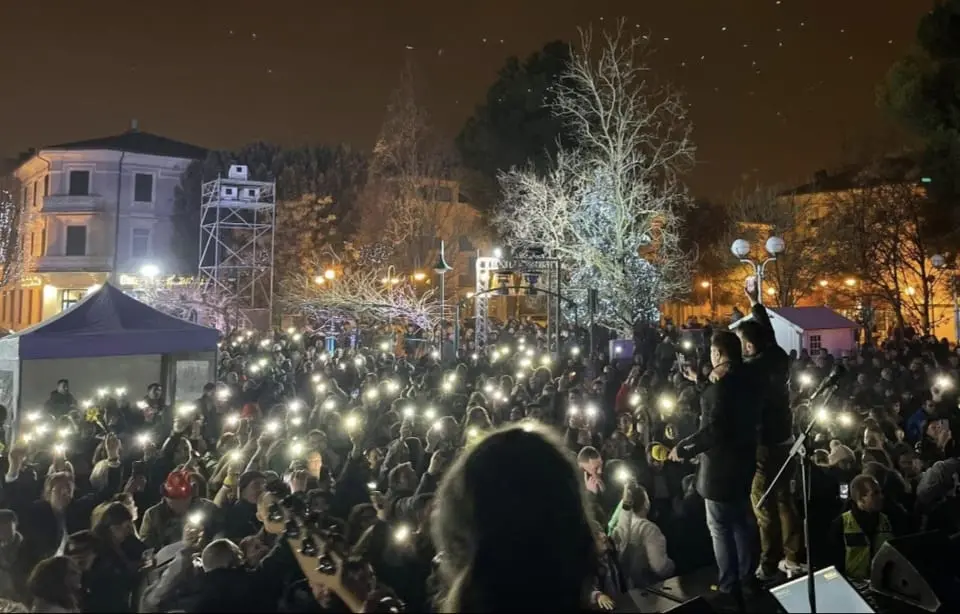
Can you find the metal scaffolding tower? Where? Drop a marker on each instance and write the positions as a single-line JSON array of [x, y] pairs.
[[236, 244]]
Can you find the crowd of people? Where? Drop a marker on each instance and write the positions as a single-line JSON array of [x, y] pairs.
[[504, 478]]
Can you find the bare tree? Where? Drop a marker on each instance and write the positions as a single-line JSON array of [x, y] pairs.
[[880, 231], [360, 294], [189, 299], [611, 207], [408, 197], [765, 212]]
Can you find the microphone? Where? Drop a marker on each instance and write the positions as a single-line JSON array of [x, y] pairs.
[[830, 380]]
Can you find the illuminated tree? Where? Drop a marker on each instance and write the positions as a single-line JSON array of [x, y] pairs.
[[188, 299], [366, 296], [11, 234], [611, 206]]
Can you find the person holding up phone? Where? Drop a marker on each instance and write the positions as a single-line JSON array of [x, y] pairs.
[[769, 368]]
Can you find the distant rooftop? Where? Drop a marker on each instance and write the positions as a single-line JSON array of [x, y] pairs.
[[890, 170], [135, 141]]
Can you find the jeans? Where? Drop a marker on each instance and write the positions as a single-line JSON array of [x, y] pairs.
[[734, 533], [778, 520]]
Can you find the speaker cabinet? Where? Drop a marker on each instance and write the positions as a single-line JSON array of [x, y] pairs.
[[919, 570]]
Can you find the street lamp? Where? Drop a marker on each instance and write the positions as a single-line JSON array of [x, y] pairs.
[[150, 271], [741, 249], [319, 280], [330, 274], [707, 285], [441, 268], [940, 262]]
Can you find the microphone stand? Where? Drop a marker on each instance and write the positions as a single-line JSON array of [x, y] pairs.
[[799, 451]]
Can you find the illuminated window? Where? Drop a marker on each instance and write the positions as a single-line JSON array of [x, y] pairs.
[[69, 298], [815, 343]]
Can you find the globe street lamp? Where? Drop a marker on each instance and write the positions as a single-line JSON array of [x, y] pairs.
[[940, 263], [741, 249]]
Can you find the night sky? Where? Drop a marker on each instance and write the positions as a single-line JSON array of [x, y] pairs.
[[779, 88]]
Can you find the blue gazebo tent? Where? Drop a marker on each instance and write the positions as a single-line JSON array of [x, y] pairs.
[[109, 339]]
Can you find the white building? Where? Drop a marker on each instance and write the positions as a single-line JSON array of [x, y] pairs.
[[90, 209], [815, 329]]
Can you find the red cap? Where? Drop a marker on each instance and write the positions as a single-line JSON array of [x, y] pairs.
[[177, 485], [250, 410]]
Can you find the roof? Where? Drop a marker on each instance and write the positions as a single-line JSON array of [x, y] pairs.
[[815, 318], [135, 141], [808, 318], [889, 170], [109, 322]]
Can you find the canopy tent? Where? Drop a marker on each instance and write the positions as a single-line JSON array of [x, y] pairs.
[[109, 323], [108, 338]]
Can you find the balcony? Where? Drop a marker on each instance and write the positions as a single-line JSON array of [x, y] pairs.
[[64, 203], [66, 264]]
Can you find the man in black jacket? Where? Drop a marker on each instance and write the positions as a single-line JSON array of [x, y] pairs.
[[727, 443], [778, 521]]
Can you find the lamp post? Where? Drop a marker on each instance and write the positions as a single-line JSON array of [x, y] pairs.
[[708, 285], [741, 249], [940, 262], [441, 268]]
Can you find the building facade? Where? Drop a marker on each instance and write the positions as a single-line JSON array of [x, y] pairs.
[[90, 211]]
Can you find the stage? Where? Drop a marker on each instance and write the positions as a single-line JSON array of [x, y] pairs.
[[694, 592]]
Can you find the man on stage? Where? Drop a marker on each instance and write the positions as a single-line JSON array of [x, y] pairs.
[[726, 444]]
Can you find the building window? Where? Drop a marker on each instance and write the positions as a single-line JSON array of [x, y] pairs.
[[140, 243], [46, 185], [444, 194], [76, 241], [79, 183], [43, 241], [143, 188], [814, 343], [36, 194], [69, 298]]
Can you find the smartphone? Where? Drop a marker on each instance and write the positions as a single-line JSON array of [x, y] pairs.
[[751, 284], [844, 491]]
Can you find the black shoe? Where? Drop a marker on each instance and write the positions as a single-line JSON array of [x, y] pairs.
[[751, 587], [724, 601]]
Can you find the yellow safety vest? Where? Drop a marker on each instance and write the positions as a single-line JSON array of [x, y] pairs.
[[858, 549]]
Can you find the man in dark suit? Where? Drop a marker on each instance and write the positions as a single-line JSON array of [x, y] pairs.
[[726, 444], [777, 520]]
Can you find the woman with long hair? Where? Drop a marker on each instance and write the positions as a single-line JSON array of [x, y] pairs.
[[112, 576], [511, 526], [55, 585]]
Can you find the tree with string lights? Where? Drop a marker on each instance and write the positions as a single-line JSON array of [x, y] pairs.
[[361, 294], [611, 206]]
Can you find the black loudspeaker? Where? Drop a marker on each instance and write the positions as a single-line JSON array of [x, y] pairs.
[[919, 570]]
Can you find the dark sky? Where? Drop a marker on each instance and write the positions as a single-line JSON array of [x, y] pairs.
[[779, 89]]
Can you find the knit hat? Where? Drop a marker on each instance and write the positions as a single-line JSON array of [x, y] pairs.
[[247, 477], [177, 485], [840, 453]]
